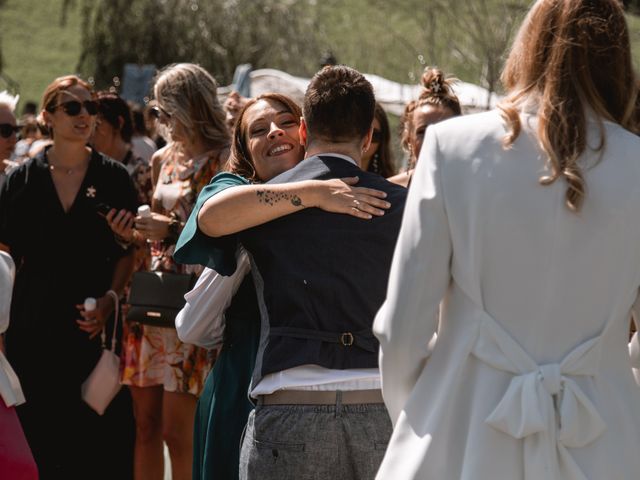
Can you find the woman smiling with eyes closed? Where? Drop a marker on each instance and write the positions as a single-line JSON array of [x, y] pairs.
[[268, 131], [265, 144]]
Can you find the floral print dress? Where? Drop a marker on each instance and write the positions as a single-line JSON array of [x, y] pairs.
[[155, 355]]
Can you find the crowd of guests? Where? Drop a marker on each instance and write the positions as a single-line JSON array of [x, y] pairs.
[[301, 229], [95, 132]]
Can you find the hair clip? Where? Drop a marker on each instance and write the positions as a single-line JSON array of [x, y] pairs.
[[435, 86]]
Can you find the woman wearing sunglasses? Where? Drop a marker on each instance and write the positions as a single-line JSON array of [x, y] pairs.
[[65, 252], [8, 131]]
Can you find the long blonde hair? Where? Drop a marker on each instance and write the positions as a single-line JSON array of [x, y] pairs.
[[571, 56], [188, 92]]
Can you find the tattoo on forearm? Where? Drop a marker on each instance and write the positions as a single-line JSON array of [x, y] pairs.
[[269, 197]]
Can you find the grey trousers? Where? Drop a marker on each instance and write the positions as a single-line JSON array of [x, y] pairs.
[[305, 442]]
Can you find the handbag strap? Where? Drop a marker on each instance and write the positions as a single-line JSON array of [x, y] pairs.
[[103, 334]]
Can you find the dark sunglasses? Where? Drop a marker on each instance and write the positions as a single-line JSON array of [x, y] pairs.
[[6, 130], [376, 137], [157, 110], [73, 107]]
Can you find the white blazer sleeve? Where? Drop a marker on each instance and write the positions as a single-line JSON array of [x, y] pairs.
[[419, 277], [634, 345], [10, 389], [201, 320], [7, 274]]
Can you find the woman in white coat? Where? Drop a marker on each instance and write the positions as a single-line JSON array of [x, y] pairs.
[[525, 222], [16, 459]]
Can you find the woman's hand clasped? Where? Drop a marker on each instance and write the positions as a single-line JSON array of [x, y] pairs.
[[93, 320], [340, 195]]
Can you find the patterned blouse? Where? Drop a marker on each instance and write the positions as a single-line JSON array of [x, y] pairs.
[[179, 184]]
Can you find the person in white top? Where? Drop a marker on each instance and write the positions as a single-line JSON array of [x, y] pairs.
[[16, 459], [525, 223]]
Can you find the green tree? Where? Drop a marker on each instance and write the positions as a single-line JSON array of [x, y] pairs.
[[218, 34], [468, 38]]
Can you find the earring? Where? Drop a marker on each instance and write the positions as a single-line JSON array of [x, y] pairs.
[[375, 165]]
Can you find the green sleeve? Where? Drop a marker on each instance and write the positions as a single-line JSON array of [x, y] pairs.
[[194, 247]]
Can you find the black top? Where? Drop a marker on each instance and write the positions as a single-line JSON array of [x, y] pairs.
[[324, 275], [61, 258]]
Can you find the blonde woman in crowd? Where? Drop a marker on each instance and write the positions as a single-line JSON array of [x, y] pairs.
[[525, 222], [165, 375]]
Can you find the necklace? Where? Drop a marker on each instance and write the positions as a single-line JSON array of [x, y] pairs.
[[68, 171], [60, 169]]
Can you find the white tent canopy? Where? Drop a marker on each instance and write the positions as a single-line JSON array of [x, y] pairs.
[[393, 96]]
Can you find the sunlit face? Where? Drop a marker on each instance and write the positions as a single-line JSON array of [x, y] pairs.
[[373, 146], [72, 128], [7, 144], [422, 117], [271, 134]]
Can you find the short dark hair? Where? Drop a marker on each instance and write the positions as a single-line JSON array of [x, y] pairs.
[[112, 108], [338, 105]]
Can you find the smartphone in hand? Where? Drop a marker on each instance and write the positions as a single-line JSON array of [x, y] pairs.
[[103, 209]]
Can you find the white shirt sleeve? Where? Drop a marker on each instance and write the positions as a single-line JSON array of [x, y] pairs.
[[419, 278], [201, 320], [7, 273]]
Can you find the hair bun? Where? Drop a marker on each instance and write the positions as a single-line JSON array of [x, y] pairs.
[[434, 83]]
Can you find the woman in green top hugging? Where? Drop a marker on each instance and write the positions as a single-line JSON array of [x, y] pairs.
[[265, 144]]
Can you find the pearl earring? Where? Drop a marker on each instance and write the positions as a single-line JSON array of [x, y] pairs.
[[375, 165]]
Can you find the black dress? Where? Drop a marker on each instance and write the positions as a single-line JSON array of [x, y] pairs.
[[61, 259]]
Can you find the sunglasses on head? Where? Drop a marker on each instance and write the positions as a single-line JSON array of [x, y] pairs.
[[157, 110], [6, 130], [376, 137], [74, 107]]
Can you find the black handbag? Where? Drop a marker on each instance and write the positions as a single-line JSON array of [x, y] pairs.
[[155, 298]]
